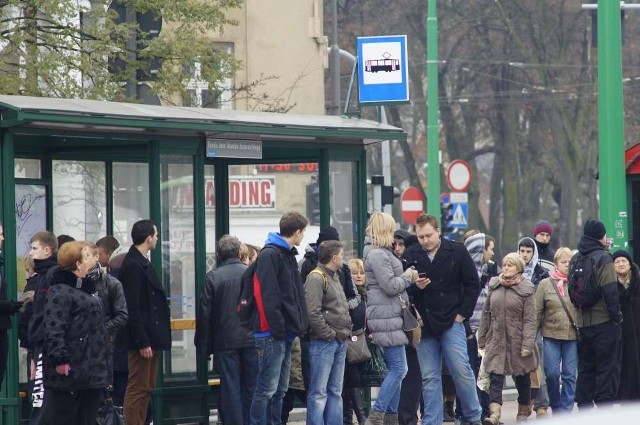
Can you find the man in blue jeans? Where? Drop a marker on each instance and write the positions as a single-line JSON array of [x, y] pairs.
[[330, 324], [451, 286], [280, 316]]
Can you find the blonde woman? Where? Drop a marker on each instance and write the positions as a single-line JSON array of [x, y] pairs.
[[507, 333], [557, 323], [386, 283]]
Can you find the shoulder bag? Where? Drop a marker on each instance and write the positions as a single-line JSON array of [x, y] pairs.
[[411, 321], [566, 310], [357, 349]]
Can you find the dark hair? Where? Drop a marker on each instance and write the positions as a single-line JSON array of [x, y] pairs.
[[488, 239], [327, 250], [46, 239], [424, 219], [228, 247], [526, 242], [141, 230], [108, 243], [63, 239], [291, 222]]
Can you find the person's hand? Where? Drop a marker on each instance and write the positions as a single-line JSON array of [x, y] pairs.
[[412, 274], [525, 353], [422, 282], [146, 352], [459, 318], [63, 369], [15, 306]]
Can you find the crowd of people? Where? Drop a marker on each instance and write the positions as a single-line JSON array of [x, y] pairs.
[[95, 317]]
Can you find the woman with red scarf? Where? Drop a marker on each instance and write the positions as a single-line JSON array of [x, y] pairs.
[[555, 316], [508, 334]]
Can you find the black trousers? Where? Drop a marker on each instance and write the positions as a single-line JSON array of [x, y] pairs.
[[4, 349], [523, 385], [71, 408], [599, 364], [411, 390]]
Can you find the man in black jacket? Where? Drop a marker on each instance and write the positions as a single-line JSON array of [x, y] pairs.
[[280, 316], [148, 330], [7, 308], [218, 332], [445, 295]]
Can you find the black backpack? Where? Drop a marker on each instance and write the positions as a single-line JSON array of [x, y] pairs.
[[584, 291], [246, 306]]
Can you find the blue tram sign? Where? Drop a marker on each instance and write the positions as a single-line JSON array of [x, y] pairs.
[[382, 70]]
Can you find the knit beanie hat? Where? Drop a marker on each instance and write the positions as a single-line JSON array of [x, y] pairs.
[[401, 234], [542, 226], [328, 234], [594, 229], [622, 253]]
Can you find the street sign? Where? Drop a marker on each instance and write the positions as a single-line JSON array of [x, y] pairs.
[[459, 175], [459, 215], [459, 197], [411, 204], [383, 76]]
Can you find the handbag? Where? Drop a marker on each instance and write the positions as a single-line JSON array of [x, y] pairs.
[[108, 414], [566, 310], [411, 322], [357, 349]]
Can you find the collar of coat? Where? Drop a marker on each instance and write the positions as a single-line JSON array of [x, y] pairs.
[[523, 289]]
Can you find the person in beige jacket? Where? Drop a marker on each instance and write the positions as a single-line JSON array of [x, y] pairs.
[[558, 326], [507, 333]]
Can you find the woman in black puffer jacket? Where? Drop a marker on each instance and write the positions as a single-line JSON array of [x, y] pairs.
[[76, 352]]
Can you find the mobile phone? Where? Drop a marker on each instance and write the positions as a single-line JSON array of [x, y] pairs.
[[422, 275]]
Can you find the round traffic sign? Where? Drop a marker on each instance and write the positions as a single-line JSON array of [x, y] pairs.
[[411, 204], [459, 175]]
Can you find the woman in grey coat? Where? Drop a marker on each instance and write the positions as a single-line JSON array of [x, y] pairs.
[[387, 283], [507, 333]]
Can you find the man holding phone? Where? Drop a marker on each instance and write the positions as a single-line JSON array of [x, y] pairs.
[[445, 297]]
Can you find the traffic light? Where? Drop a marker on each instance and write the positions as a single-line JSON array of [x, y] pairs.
[[382, 195], [313, 201], [445, 218]]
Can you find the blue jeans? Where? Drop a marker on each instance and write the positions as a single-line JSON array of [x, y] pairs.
[[238, 370], [389, 395], [324, 396], [272, 381], [452, 346], [561, 355]]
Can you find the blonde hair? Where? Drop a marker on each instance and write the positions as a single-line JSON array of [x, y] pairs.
[[356, 264], [514, 259], [562, 251], [380, 229]]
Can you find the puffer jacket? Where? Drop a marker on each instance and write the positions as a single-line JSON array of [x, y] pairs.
[[111, 295], [328, 310], [74, 334], [385, 281], [508, 325], [551, 318]]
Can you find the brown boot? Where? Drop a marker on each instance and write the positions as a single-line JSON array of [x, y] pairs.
[[524, 411], [494, 415], [542, 413], [376, 417]]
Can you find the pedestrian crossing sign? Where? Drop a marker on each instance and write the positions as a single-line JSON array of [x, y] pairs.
[[459, 215]]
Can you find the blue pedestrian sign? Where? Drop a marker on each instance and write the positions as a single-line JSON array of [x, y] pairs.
[[459, 215], [383, 76]]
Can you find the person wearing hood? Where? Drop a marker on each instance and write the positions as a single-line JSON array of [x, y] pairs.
[[281, 316], [542, 232], [628, 276], [507, 333], [528, 251], [77, 367], [399, 244], [600, 343]]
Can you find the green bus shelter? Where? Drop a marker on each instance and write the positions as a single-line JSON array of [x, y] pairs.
[[90, 168]]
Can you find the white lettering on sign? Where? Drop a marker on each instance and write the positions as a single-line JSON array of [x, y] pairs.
[[245, 193]]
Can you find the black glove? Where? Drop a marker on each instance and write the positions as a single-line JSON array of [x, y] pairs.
[[10, 307]]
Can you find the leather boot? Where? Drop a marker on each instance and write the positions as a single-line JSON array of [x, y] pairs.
[[494, 415], [448, 415], [391, 419], [524, 411], [357, 403], [542, 413], [347, 413], [376, 417]]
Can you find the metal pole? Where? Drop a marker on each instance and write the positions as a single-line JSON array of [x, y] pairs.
[[334, 64], [433, 138], [613, 205]]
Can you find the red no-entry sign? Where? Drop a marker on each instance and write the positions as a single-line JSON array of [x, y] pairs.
[[411, 204]]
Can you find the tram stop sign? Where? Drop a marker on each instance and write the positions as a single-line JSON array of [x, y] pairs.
[[411, 204]]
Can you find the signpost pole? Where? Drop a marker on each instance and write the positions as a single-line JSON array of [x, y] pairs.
[[433, 138]]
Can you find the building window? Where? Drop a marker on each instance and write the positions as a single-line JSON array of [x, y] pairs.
[[200, 95]]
